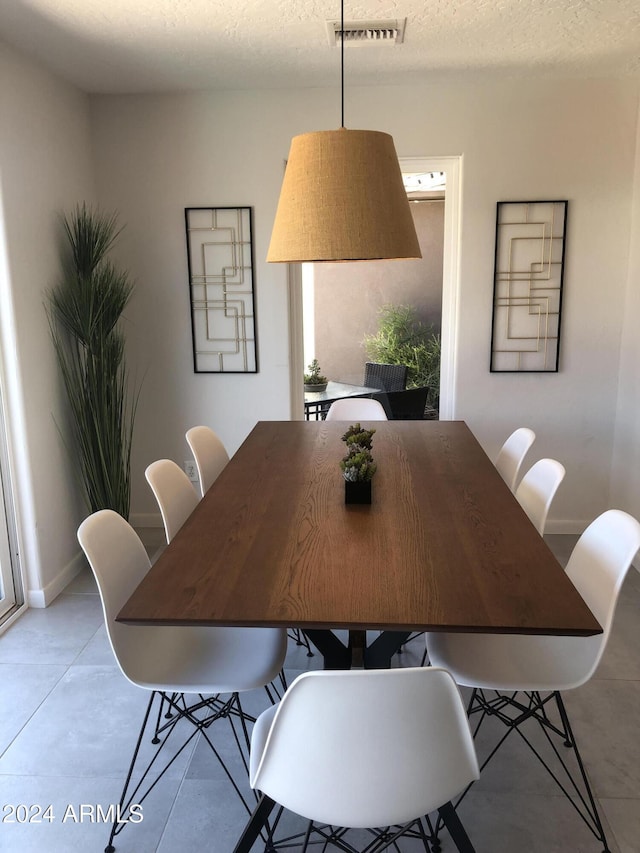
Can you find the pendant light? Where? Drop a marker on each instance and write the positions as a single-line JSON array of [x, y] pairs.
[[342, 197]]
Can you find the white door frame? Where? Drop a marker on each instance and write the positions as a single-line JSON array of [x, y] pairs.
[[11, 598], [452, 167], [12, 582]]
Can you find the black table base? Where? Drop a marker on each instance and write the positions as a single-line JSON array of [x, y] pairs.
[[357, 653]]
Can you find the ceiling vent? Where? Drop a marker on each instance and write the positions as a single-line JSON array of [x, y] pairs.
[[366, 33]]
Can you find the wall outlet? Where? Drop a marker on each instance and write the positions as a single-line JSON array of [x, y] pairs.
[[190, 470]]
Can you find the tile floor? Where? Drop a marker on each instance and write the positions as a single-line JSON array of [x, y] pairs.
[[68, 721]]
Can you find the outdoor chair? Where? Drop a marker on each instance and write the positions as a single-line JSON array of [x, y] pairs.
[[386, 377], [407, 405]]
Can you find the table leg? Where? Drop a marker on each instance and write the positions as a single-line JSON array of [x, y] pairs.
[[336, 655], [378, 655], [357, 648], [357, 654]]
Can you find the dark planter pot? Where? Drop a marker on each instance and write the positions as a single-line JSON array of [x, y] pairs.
[[358, 492]]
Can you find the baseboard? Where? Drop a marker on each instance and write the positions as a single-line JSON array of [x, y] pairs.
[[44, 597], [145, 519]]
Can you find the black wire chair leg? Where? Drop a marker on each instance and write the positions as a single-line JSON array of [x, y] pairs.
[[278, 689], [535, 709], [110, 848], [168, 715], [597, 829], [245, 731], [427, 835], [256, 822], [456, 829], [300, 639], [200, 715]]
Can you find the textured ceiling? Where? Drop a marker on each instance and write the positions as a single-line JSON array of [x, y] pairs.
[[171, 45]]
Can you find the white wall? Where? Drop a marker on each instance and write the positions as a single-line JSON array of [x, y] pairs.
[[152, 156], [625, 476], [156, 156], [544, 140], [45, 169]]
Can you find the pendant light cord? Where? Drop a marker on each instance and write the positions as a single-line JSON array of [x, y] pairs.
[[342, 62]]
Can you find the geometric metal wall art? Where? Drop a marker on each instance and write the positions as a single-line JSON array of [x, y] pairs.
[[527, 286], [221, 284]]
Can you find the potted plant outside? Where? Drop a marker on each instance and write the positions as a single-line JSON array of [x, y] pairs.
[[314, 380], [358, 466]]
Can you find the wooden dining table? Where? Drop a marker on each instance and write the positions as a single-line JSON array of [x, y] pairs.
[[443, 546]]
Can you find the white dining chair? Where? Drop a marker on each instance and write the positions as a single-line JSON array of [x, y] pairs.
[[537, 490], [356, 409], [176, 500], [527, 672], [363, 749], [209, 453], [511, 455], [214, 664], [174, 493]]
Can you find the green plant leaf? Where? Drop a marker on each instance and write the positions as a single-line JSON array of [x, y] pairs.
[[403, 339], [83, 312]]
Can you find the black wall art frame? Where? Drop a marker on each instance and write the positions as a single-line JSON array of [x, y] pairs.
[[527, 286], [222, 289]]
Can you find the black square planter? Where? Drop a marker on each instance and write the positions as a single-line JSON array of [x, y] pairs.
[[357, 492]]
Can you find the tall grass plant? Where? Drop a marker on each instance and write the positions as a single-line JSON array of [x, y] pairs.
[[84, 311]]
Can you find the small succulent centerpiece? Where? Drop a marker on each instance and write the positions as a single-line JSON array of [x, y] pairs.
[[358, 466], [314, 380]]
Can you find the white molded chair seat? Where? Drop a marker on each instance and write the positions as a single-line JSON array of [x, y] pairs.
[[209, 453], [537, 490], [512, 453], [356, 409], [368, 748], [519, 662], [541, 666], [178, 659], [174, 493], [597, 568], [172, 661]]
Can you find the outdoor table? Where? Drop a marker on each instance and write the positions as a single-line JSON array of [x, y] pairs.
[[316, 403]]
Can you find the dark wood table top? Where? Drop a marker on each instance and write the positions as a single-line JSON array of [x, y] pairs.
[[443, 546]]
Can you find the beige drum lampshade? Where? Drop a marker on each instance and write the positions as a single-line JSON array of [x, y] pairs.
[[343, 199]]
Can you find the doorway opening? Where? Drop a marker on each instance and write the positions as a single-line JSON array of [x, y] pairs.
[[303, 321], [11, 586]]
